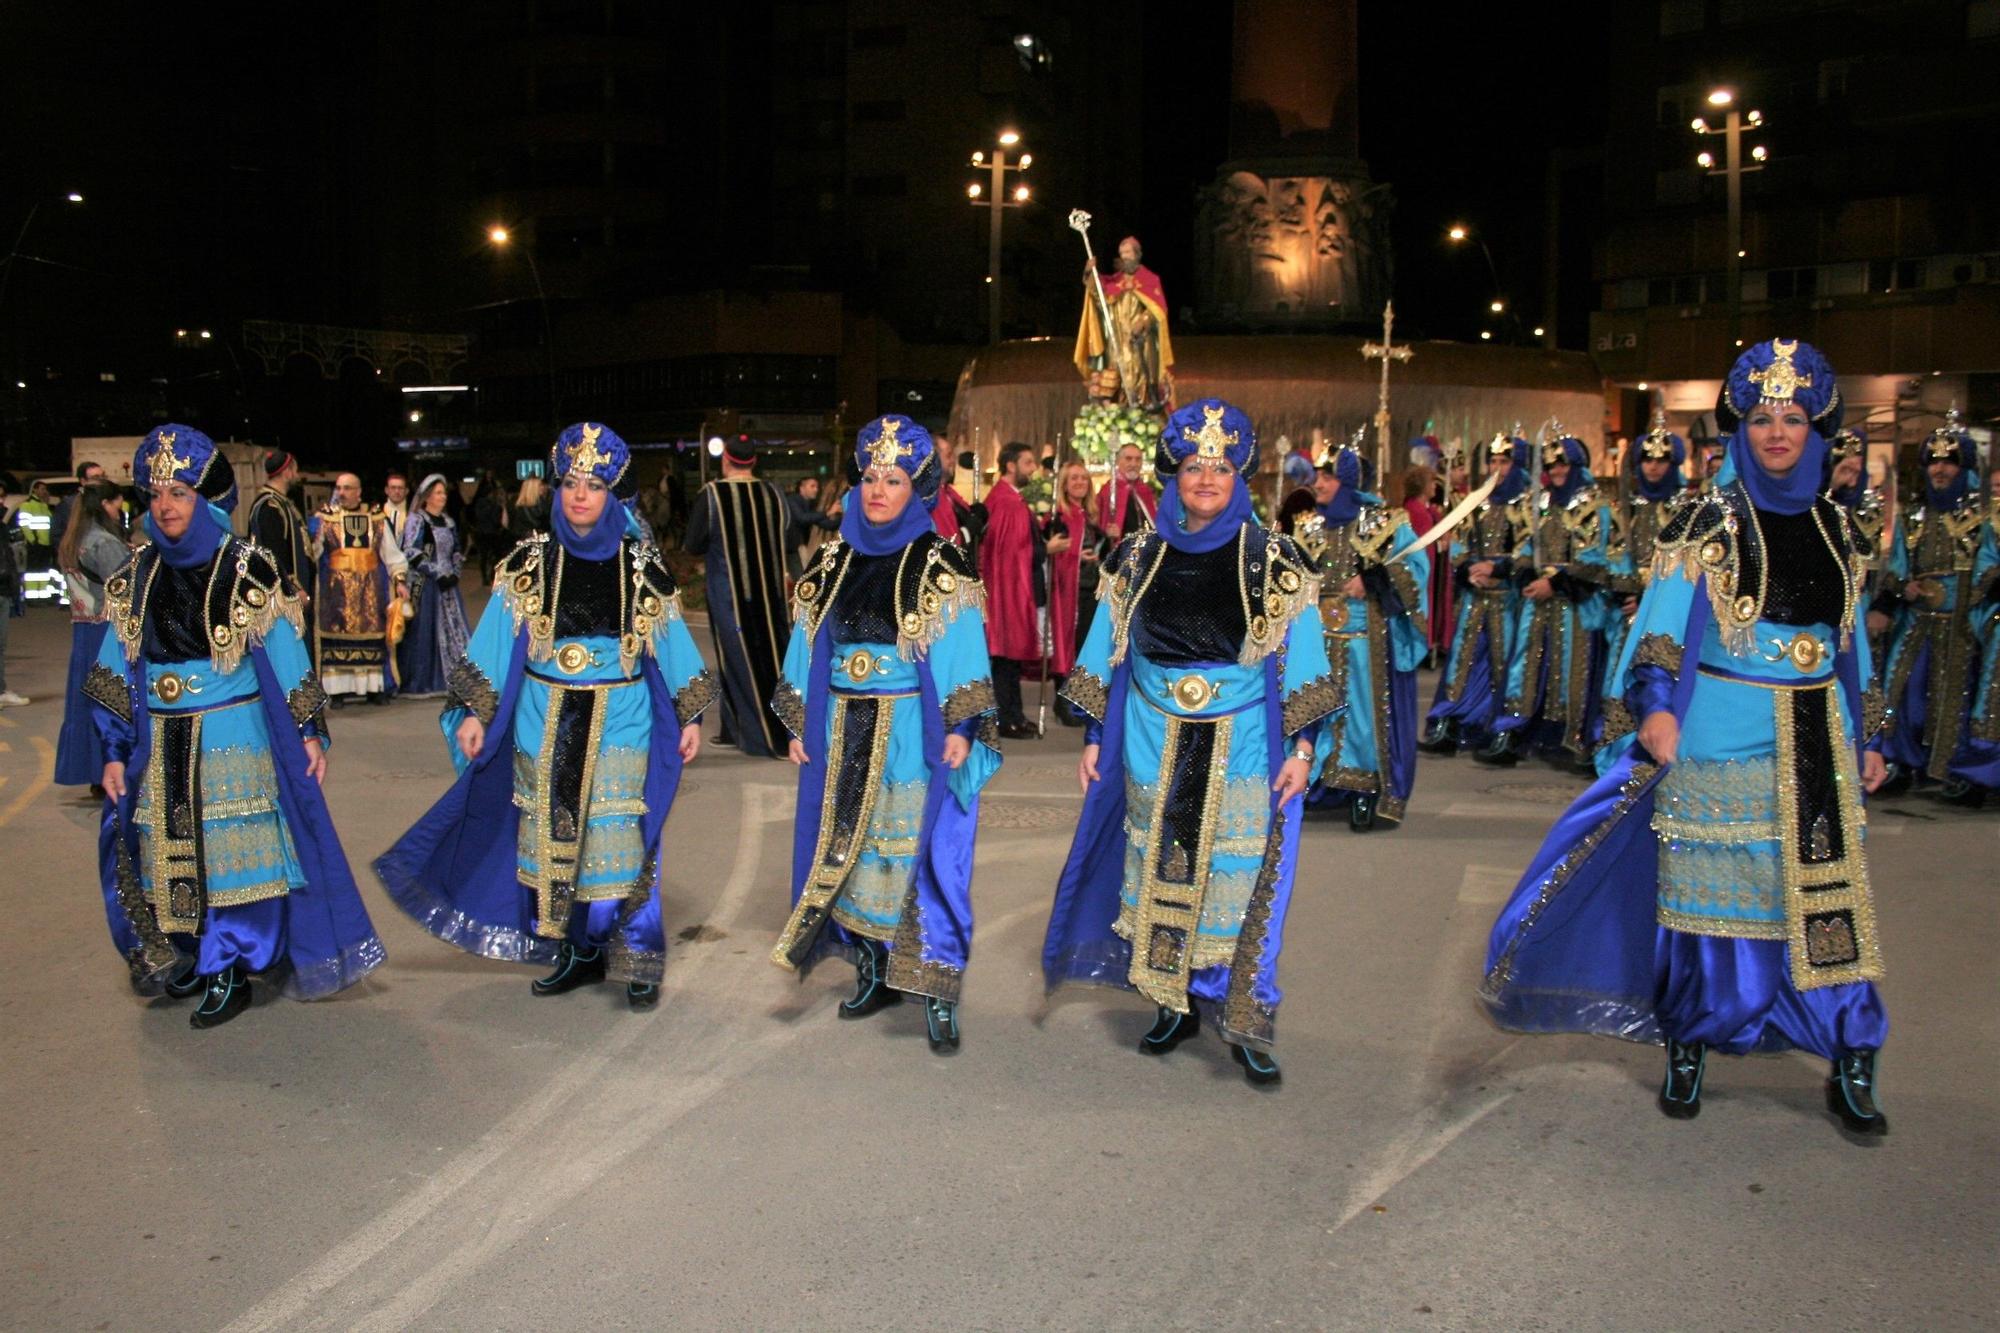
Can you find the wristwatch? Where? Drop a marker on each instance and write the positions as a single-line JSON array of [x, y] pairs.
[[1303, 753]]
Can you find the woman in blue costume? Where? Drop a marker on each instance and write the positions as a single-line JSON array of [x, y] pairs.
[[93, 549], [1653, 487], [1205, 679], [888, 696], [1563, 570], [568, 719], [218, 859], [1975, 774], [1937, 570], [436, 637], [1711, 890], [1471, 685], [1374, 604]]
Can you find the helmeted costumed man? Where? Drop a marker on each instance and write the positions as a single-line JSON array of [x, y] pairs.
[[738, 526], [1653, 486], [1848, 485], [1975, 774], [361, 568], [277, 525], [1711, 890], [1551, 693], [888, 698], [1205, 678], [1937, 570], [568, 718], [218, 858], [1372, 604], [1138, 363], [1472, 685]]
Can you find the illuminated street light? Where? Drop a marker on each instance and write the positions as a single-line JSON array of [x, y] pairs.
[[498, 235], [74, 197], [1457, 233], [1731, 168], [416, 417], [206, 335], [715, 446], [1539, 330], [1027, 160], [995, 194], [1698, 125], [1485, 336], [1497, 306]]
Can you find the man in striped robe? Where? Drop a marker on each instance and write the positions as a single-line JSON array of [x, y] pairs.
[[739, 528]]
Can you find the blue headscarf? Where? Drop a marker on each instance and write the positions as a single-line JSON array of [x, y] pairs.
[[899, 442], [176, 453], [1347, 501], [1779, 372], [1950, 443], [1517, 480], [1575, 453], [592, 449], [1211, 429], [1658, 444]]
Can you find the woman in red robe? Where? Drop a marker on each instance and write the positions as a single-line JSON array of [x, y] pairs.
[[1072, 575]]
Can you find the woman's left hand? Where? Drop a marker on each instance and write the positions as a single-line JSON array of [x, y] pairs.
[[316, 760], [1874, 770], [956, 748], [1291, 779], [690, 742]]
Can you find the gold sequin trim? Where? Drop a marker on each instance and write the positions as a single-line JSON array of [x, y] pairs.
[[107, 689], [790, 706], [694, 698], [1087, 692], [1310, 702], [1659, 650], [969, 700], [467, 687], [306, 700]]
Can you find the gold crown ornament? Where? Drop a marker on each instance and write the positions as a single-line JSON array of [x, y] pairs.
[[885, 451], [1211, 441], [166, 462], [1780, 381], [586, 457]]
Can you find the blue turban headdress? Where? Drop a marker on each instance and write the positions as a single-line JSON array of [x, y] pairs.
[[1951, 443], [593, 449], [1210, 428], [174, 452], [1780, 372], [1659, 445]]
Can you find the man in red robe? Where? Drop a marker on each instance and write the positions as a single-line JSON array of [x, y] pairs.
[[1007, 552], [1140, 350], [1125, 504]]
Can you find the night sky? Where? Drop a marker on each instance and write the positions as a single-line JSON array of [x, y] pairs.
[[218, 147]]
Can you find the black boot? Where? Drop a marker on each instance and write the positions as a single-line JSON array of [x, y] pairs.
[[1442, 738], [1897, 782], [1170, 1029], [1258, 1066], [871, 992], [227, 995], [1499, 751], [1850, 1093], [1680, 1093], [574, 967], [189, 983], [1361, 813], [642, 994], [941, 1024], [1958, 791]]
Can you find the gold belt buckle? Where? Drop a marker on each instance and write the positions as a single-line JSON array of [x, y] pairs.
[[859, 666], [171, 687], [1805, 652], [1193, 693], [573, 659]]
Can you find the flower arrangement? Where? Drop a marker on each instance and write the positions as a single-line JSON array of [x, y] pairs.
[[1100, 428]]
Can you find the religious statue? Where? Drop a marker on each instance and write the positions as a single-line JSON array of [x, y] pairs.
[[1135, 364]]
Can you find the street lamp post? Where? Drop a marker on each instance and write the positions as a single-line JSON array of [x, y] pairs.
[[1458, 234], [501, 239], [71, 197], [993, 194], [1732, 169]]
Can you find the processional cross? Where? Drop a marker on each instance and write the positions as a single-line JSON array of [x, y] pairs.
[[1385, 352]]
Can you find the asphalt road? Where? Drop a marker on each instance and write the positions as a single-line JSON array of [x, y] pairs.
[[437, 1149]]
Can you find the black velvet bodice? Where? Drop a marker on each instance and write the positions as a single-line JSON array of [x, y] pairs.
[[1807, 585], [587, 602], [1192, 610], [177, 614], [864, 610]]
